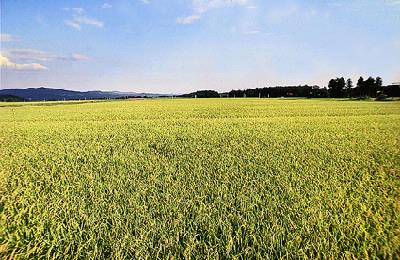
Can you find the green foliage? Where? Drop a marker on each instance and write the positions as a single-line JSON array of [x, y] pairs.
[[215, 178], [337, 87]]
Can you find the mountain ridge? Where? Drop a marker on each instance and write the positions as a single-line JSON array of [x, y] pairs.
[[42, 93]]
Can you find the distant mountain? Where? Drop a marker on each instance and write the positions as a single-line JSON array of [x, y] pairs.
[[36, 94]]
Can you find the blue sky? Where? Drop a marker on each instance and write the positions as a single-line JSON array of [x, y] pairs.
[[177, 46]]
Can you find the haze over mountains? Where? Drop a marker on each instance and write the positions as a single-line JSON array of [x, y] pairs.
[[36, 94]]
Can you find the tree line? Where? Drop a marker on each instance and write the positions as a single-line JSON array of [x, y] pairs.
[[337, 88], [281, 91], [371, 87]]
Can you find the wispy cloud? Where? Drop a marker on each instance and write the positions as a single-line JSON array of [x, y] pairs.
[[106, 6], [4, 37], [77, 57], [7, 64], [393, 2], [188, 19], [146, 2], [79, 18], [72, 24], [200, 7], [30, 55]]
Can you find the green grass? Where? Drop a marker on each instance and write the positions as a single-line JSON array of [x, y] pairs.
[[217, 178]]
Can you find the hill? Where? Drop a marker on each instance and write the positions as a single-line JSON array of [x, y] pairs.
[[35, 94]]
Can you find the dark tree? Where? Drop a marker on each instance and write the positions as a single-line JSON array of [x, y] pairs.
[[378, 82], [360, 86], [319, 92], [349, 87], [336, 87], [331, 85], [370, 87], [378, 85]]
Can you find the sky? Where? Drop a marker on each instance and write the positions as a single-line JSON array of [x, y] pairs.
[[179, 46]]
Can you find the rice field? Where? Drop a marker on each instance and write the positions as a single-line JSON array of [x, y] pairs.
[[208, 179]]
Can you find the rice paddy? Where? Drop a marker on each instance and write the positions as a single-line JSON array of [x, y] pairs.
[[192, 178]]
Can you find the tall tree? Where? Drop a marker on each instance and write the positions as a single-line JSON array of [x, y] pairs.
[[370, 86], [336, 87], [349, 86], [360, 86], [341, 86], [378, 85], [332, 87]]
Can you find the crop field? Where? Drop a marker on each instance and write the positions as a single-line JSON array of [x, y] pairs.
[[192, 178]]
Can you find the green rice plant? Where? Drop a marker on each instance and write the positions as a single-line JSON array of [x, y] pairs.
[[192, 178]]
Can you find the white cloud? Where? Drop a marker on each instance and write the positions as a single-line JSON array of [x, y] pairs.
[[88, 21], [7, 64], [202, 6], [146, 2], [72, 24], [106, 6], [78, 19], [30, 55], [188, 19], [4, 37], [78, 57]]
